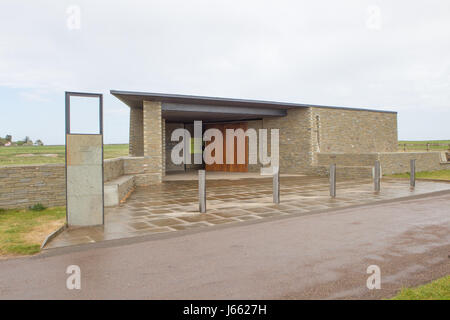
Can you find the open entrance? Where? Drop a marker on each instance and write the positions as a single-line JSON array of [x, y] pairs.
[[240, 145], [230, 150]]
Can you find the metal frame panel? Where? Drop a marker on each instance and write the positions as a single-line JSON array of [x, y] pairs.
[[85, 95], [69, 94]]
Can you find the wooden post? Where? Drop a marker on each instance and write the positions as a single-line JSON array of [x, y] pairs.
[[404, 147], [428, 147]]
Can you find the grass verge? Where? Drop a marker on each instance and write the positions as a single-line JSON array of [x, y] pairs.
[[440, 175], [20, 155], [436, 290], [22, 231], [421, 145]]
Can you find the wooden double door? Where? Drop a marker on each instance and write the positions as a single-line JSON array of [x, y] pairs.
[[234, 167]]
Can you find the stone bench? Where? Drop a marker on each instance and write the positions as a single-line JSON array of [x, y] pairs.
[[117, 190]]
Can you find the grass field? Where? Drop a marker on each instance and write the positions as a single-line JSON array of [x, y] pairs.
[[50, 154], [55, 154], [436, 290], [421, 145], [440, 175], [23, 231]]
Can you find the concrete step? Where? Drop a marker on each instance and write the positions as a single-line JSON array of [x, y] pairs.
[[116, 190]]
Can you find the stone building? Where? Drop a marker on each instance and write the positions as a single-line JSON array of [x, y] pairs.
[[310, 139], [310, 136]]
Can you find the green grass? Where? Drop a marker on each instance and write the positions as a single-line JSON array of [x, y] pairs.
[[22, 231], [421, 145], [440, 175], [37, 207], [49, 154], [436, 290]]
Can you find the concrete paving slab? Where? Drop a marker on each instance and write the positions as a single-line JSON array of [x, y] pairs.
[[173, 205]]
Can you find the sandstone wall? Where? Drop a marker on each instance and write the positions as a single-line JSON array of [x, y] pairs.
[[294, 139], [399, 162], [353, 131], [26, 185], [153, 144], [391, 162], [112, 168], [136, 146]]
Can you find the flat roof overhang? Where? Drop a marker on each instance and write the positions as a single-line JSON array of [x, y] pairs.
[[191, 112], [186, 108]]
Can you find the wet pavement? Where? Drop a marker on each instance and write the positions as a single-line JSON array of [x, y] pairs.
[[319, 256], [173, 205]]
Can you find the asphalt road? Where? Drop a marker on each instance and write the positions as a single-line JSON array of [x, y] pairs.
[[321, 256]]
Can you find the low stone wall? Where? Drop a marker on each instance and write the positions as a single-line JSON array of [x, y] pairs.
[[346, 159], [136, 166], [118, 189], [112, 169], [347, 172], [391, 162], [26, 185], [125, 188], [398, 162]]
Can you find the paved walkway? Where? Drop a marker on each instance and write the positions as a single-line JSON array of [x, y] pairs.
[[317, 256], [173, 205]]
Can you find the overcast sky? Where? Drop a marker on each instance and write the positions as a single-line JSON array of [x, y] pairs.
[[389, 55]]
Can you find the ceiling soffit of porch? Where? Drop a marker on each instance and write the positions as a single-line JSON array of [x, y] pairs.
[[181, 112]]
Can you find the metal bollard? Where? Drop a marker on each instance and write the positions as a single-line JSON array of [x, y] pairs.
[[333, 180], [412, 177], [377, 176], [202, 190], [276, 185]]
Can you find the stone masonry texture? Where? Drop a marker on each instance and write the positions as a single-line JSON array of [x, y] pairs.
[[354, 131], [351, 164], [153, 139], [113, 168], [295, 140], [163, 146], [136, 145], [26, 185], [309, 135], [311, 139]]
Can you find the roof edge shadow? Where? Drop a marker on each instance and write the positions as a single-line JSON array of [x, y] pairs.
[[128, 97]]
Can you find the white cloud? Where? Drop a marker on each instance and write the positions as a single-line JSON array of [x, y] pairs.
[[34, 95], [317, 52]]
